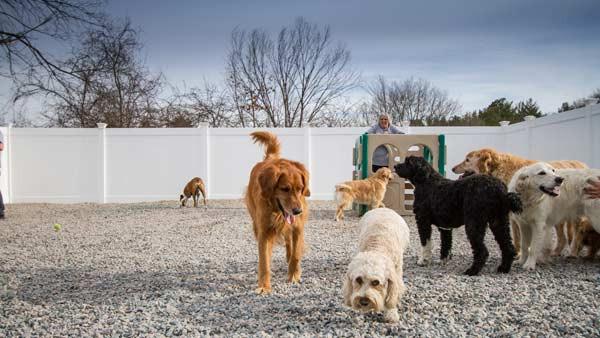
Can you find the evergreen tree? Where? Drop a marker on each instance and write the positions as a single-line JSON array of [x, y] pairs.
[[499, 110], [528, 107]]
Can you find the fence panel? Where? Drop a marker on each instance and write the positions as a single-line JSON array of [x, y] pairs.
[[130, 165]]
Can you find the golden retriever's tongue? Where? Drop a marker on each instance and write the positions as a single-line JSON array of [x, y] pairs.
[[289, 219]]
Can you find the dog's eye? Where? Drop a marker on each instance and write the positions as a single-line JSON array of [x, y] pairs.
[[375, 282], [285, 189], [359, 281], [542, 173]]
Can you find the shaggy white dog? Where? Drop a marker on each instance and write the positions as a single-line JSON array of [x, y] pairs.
[[374, 278], [550, 196]]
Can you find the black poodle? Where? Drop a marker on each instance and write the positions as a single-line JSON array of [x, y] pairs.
[[475, 201]]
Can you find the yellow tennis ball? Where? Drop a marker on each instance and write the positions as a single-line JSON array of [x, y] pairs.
[[57, 227]]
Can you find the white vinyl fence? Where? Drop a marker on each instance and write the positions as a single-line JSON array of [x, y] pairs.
[[130, 165]]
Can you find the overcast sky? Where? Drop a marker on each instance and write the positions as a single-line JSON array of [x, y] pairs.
[[475, 50]]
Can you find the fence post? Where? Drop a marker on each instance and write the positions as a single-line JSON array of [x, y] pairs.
[[308, 150], [9, 171], [529, 119], [590, 132], [205, 130], [504, 125], [102, 152], [405, 125]]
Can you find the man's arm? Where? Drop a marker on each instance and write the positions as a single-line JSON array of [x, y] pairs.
[[372, 130], [395, 130]]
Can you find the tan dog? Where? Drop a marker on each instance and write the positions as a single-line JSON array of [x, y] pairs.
[[503, 166], [369, 191], [193, 189], [373, 281], [276, 202], [585, 236]]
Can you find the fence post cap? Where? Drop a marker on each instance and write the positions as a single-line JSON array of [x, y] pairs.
[[101, 125], [529, 118], [504, 123], [202, 124]]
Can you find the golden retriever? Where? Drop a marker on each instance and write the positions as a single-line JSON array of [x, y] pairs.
[[368, 191], [503, 166], [193, 189], [586, 235], [275, 199]]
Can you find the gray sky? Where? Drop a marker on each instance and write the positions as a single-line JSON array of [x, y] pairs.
[[475, 50]]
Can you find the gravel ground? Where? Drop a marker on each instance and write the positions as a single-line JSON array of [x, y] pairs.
[[152, 269]]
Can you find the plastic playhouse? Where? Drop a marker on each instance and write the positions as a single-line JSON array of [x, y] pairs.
[[399, 194]]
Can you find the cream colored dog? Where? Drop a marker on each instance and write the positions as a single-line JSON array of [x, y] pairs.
[[550, 196], [374, 278], [370, 191]]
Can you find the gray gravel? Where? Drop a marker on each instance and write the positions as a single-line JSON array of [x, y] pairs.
[[156, 270]]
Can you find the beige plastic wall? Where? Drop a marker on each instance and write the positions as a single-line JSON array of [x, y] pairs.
[[399, 194]]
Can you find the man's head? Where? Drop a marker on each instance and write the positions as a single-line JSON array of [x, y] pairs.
[[384, 121]]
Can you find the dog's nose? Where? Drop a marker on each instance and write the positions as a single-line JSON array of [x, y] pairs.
[[297, 211], [559, 180], [364, 301]]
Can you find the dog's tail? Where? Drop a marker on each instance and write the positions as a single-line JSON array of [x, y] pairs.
[[268, 140], [340, 189], [514, 203]]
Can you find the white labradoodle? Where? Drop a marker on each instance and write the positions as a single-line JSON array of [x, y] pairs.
[[550, 196], [374, 278]]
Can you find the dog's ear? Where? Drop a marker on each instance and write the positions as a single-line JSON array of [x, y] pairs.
[[347, 290], [305, 181], [521, 182], [268, 180], [395, 289], [180, 197], [305, 178], [421, 170], [486, 162]]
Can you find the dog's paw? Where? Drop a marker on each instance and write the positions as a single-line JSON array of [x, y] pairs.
[[391, 316], [556, 253], [503, 269], [263, 290], [294, 277], [445, 260], [543, 259], [529, 265], [472, 271], [423, 261]]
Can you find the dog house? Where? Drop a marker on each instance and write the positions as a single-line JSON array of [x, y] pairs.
[[399, 194]]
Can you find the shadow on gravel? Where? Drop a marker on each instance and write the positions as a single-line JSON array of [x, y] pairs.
[[43, 286]]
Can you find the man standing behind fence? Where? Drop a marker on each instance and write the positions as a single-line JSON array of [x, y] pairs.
[[1, 200]]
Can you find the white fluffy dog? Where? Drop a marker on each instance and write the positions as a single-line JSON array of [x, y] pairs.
[[550, 197], [374, 278]]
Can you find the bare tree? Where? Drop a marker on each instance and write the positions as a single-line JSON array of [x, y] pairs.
[[107, 82], [188, 109], [24, 22], [288, 81], [415, 100]]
